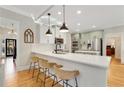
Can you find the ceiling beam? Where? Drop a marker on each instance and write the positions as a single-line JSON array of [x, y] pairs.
[[49, 8]]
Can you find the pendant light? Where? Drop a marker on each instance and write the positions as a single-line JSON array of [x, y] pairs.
[[49, 33], [63, 28], [12, 31]]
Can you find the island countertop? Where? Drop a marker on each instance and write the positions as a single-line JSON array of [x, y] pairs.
[[93, 68], [94, 60]]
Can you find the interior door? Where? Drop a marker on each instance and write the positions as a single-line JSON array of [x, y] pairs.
[[10, 44]]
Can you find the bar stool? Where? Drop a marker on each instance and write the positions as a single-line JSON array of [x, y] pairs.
[[50, 70], [53, 73], [65, 76], [47, 70], [34, 63], [42, 69]]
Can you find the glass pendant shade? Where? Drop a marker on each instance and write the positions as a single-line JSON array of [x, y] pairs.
[[12, 31]]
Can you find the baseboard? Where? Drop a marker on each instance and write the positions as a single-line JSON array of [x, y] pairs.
[[20, 68]]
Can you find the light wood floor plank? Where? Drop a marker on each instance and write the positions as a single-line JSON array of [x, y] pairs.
[[24, 79]]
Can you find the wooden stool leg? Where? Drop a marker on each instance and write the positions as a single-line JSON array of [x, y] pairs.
[[33, 70], [30, 67], [38, 74], [54, 80], [44, 77], [44, 71]]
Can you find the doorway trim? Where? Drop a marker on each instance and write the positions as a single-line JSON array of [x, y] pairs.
[[6, 46]]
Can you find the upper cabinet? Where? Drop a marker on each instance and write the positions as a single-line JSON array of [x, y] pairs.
[[81, 40], [91, 35], [87, 35], [75, 37]]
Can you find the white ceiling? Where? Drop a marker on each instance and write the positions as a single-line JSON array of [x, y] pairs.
[[100, 16]]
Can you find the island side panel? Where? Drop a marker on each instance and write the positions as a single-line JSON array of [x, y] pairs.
[[90, 76]]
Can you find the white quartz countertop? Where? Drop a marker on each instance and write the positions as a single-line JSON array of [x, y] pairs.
[[94, 60]]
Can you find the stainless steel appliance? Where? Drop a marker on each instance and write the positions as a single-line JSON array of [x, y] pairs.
[[97, 45], [58, 45]]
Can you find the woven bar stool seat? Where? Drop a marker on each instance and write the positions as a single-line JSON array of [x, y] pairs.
[[65, 76]]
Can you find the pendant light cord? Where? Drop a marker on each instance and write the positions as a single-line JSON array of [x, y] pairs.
[[12, 28], [49, 19], [64, 13]]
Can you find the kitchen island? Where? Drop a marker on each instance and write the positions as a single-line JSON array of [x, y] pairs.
[[93, 69]]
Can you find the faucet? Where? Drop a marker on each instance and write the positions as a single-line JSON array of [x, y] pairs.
[[56, 48]]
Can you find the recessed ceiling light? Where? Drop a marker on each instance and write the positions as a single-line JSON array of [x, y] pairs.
[[93, 26], [59, 13], [78, 24], [79, 12]]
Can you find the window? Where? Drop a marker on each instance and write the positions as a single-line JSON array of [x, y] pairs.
[[28, 36]]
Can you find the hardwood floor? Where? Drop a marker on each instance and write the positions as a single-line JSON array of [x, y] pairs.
[[116, 73], [24, 79]]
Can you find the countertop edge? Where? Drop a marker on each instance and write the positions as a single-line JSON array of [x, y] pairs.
[[105, 67]]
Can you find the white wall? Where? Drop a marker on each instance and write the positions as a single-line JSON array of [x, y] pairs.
[[122, 47], [68, 42], [118, 48], [115, 32], [43, 47], [23, 49]]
